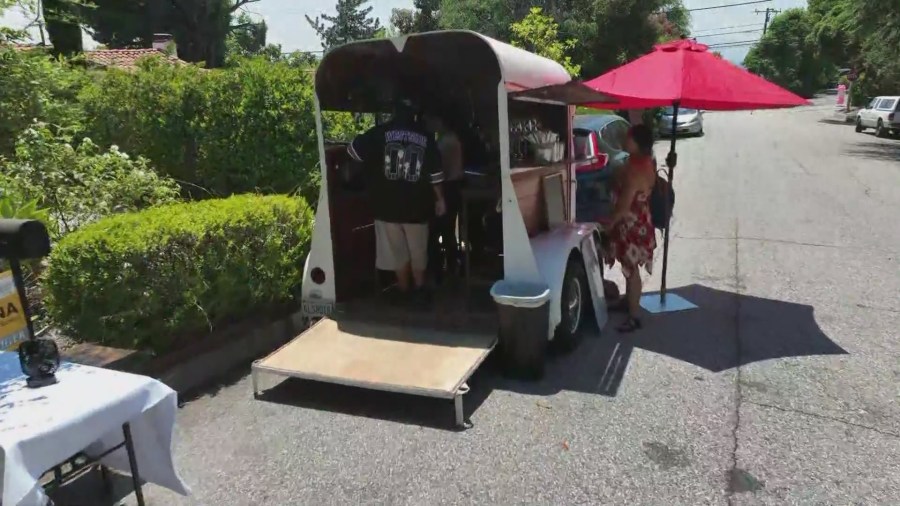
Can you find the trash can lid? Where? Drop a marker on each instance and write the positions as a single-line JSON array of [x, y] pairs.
[[525, 295]]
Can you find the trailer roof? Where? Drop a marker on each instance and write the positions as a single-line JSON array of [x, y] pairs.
[[469, 57]]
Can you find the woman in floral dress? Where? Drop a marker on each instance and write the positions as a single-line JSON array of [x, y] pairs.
[[631, 232]]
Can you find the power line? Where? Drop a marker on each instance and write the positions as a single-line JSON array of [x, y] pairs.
[[727, 33], [726, 28], [737, 43], [728, 5]]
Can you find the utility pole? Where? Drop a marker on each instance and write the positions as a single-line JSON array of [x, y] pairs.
[[769, 11]]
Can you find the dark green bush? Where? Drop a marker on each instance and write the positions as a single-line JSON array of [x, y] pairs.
[[248, 128], [152, 279]]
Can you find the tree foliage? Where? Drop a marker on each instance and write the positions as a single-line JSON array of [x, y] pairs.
[[201, 27], [248, 128], [79, 183], [248, 38], [786, 56], [34, 87], [425, 16], [538, 33], [63, 26], [860, 34], [608, 32], [351, 22]]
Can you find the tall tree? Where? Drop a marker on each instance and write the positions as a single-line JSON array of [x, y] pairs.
[[425, 16], [608, 31], [352, 22], [786, 56], [247, 36], [61, 18], [833, 30], [8, 34], [878, 27], [672, 23], [539, 33], [200, 27]]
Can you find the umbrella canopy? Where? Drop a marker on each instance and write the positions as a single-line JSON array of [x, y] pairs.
[[686, 73], [683, 73]]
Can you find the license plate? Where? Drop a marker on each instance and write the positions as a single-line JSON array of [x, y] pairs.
[[317, 308]]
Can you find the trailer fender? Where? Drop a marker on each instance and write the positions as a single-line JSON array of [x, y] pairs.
[[552, 251]]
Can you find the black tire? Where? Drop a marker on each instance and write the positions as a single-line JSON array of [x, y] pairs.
[[859, 126], [576, 299], [879, 130]]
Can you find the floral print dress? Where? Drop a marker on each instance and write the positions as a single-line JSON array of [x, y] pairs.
[[633, 238]]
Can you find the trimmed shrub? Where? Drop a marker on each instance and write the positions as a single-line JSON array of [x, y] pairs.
[[151, 279]]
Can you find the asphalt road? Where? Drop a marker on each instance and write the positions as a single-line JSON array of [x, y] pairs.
[[782, 388]]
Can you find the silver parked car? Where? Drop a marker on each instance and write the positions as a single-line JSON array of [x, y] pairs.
[[690, 122]]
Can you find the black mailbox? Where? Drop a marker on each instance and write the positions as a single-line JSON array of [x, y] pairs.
[[23, 239]]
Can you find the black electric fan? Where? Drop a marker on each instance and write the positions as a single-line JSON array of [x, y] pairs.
[[25, 240]]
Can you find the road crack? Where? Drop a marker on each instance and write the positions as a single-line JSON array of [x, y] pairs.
[[732, 481], [825, 417]]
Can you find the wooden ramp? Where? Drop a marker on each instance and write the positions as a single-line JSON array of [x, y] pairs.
[[379, 356]]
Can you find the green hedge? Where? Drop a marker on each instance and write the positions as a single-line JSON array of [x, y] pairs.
[[151, 279]]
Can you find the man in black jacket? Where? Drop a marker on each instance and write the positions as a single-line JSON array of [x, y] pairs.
[[403, 171]]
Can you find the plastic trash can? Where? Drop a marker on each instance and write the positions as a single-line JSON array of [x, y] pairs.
[[524, 311]]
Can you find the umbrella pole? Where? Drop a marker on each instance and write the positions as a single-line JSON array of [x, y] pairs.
[[671, 161]]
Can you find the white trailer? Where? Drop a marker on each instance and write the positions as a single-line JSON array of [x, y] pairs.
[[358, 341]]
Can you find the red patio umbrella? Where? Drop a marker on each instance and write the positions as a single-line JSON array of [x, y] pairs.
[[683, 73]]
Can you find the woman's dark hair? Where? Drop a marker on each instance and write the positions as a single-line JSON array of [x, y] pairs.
[[643, 137]]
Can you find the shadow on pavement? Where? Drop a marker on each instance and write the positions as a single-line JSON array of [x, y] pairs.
[[727, 330], [402, 408], [88, 489], [887, 151], [836, 121]]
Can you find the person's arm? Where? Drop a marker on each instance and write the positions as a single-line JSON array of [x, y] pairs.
[[452, 155], [436, 173], [627, 194], [361, 146]]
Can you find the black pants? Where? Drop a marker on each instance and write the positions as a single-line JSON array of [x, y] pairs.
[[443, 248]]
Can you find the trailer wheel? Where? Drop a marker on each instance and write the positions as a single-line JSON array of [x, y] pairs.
[[576, 299]]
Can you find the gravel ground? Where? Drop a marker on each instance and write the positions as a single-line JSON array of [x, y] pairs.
[[782, 388]]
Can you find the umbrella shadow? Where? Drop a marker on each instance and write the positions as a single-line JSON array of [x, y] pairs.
[[885, 151], [727, 330]]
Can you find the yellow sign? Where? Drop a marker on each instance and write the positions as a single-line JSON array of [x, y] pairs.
[[13, 328]]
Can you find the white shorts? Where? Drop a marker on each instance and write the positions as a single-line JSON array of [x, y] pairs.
[[397, 244]]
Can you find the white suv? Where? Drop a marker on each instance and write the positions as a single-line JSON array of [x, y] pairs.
[[882, 114]]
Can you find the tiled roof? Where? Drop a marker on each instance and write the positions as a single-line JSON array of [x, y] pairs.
[[20, 46], [124, 58]]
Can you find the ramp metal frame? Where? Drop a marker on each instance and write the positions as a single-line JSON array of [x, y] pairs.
[[456, 394]]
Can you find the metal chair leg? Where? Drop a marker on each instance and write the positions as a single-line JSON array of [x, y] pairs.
[[132, 461]]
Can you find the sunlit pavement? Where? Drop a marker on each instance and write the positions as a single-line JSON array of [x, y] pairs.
[[782, 388]]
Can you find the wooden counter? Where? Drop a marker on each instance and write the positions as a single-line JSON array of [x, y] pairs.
[[528, 183]]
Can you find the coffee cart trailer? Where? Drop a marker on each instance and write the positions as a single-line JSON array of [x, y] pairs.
[[523, 201]]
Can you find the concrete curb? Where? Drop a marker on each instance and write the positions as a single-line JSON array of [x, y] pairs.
[[206, 368], [211, 359]]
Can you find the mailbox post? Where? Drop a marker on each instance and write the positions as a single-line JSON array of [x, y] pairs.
[[27, 240]]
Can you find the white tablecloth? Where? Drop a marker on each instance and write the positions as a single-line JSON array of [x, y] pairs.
[[42, 427]]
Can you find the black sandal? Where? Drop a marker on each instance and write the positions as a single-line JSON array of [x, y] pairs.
[[629, 325]]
